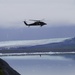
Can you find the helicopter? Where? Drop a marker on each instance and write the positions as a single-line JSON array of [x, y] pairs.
[[36, 23]]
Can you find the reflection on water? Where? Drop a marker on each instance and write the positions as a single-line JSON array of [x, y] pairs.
[[45, 65]]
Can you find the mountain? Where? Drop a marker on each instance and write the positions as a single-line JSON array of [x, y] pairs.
[[66, 45], [5, 69]]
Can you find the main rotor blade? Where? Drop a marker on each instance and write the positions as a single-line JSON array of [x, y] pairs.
[[35, 20]]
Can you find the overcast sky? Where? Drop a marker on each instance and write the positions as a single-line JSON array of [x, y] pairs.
[[13, 12], [59, 15]]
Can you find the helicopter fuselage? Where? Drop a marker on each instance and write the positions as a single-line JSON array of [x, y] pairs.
[[38, 23]]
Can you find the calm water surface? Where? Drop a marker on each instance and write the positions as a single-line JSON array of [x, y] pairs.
[[44, 65]]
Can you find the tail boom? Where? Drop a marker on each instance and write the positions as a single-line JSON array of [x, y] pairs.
[[26, 23]]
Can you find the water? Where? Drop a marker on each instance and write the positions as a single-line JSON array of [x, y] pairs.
[[44, 65]]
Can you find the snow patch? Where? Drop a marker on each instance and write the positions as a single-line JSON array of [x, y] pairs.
[[22, 43]]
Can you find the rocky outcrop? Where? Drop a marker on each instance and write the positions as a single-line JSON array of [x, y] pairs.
[[5, 69]]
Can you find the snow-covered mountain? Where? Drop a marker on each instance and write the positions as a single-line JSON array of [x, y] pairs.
[[21, 43], [47, 45]]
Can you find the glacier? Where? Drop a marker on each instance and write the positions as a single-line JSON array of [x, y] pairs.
[[22, 43]]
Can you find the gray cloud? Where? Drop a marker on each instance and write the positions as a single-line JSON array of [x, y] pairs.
[[13, 11], [8, 34]]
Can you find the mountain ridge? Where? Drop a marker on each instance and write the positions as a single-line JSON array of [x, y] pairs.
[[67, 45]]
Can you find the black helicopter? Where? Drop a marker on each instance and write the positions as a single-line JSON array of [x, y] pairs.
[[36, 23]]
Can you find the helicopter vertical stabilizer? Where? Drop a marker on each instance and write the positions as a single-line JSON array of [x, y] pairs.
[[25, 23]]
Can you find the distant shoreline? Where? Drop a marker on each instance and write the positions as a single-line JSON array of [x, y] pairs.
[[37, 54]]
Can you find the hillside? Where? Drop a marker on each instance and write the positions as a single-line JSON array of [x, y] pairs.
[[67, 45], [5, 69]]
